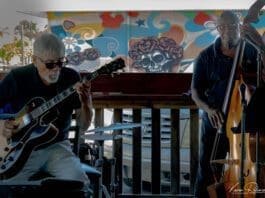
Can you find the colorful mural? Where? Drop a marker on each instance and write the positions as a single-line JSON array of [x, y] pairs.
[[166, 41], [154, 54], [153, 41]]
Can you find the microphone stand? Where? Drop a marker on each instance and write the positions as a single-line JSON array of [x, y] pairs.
[[243, 134], [259, 51]]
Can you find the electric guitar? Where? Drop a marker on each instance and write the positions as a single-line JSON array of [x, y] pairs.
[[33, 131]]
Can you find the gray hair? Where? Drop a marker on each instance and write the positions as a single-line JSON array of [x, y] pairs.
[[48, 43]]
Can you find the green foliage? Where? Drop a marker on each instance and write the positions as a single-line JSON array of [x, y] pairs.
[[15, 47]]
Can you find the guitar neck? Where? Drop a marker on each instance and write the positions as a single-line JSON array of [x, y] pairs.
[[105, 69], [39, 111]]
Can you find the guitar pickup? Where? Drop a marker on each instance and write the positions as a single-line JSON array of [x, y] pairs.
[[26, 119]]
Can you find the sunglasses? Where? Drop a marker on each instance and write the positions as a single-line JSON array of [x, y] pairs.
[[51, 65]]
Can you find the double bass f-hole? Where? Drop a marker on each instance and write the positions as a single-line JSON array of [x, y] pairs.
[[246, 174]]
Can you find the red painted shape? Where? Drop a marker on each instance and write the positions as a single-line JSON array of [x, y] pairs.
[[133, 14], [110, 21], [201, 18]]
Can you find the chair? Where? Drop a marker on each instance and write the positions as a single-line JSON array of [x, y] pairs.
[[92, 173]]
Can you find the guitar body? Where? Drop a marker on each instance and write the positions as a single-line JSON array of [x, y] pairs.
[[15, 152], [34, 129]]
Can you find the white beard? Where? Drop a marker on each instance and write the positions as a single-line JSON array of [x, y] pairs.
[[52, 78], [231, 43]]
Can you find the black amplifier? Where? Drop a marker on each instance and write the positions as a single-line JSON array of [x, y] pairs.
[[48, 188]]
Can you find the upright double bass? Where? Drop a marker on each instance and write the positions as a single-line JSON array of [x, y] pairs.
[[240, 177]]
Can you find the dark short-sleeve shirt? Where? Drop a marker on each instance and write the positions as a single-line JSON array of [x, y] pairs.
[[23, 84], [212, 71]]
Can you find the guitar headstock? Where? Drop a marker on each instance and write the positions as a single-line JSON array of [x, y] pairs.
[[112, 66]]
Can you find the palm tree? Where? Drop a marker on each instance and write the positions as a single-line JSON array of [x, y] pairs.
[[23, 27], [29, 30]]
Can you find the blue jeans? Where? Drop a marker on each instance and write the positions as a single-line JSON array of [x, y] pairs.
[[58, 160], [205, 175]]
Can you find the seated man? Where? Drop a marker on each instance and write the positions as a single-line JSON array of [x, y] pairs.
[[38, 82]]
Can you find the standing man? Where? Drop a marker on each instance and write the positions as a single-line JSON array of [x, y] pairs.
[[209, 83]]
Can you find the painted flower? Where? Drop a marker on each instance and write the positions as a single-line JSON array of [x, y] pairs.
[[75, 58], [72, 42], [91, 54]]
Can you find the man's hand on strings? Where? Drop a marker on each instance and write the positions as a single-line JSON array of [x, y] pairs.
[[84, 91], [216, 117], [85, 113]]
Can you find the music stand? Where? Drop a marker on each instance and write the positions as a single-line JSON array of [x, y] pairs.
[[100, 137]]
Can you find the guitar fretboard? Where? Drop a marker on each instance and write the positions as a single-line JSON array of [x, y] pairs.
[[39, 111], [43, 108]]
